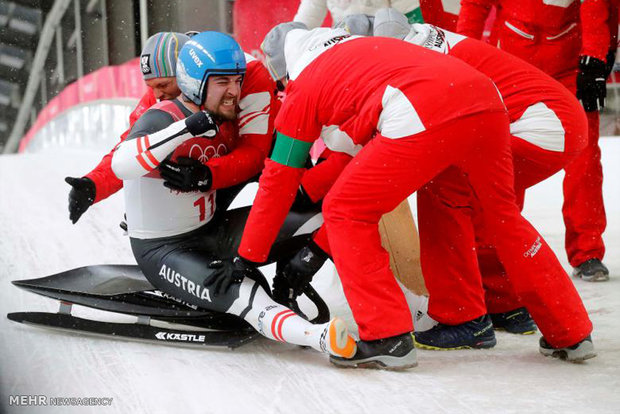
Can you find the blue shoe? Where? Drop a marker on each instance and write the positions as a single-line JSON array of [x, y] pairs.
[[516, 321], [473, 334]]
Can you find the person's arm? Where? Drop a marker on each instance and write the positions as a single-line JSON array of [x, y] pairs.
[[311, 13], [277, 188], [106, 183], [595, 30], [596, 41], [472, 17], [318, 180], [258, 107], [144, 150], [297, 127], [101, 182]]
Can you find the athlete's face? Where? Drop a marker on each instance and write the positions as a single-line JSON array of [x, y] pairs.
[[164, 88], [223, 94]]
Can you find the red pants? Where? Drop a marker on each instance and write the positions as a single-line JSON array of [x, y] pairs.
[[386, 171], [452, 231], [583, 210], [456, 249]]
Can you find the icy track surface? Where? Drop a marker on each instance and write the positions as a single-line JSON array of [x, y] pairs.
[[37, 239]]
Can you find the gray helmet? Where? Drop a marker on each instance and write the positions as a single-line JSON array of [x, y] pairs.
[[160, 53], [273, 48], [391, 23], [357, 24]]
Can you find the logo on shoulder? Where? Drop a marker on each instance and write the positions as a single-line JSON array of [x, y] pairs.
[[436, 40], [335, 40], [329, 42], [145, 64]]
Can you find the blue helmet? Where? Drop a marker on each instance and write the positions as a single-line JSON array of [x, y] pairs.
[[203, 55]]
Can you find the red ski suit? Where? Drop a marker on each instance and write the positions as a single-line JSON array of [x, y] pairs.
[[431, 112], [548, 128], [550, 38], [253, 129]]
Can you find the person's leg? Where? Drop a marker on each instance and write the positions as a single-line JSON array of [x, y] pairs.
[[447, 249], [446, 214], [384, 173], [545, 138], [583, 209], [532, 165], [180, 266], [533, 269]]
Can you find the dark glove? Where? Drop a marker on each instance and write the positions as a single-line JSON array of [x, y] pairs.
[[303, 202], [591, 87], [226, 273], [610, 61], [201, 123], [187, 174], [81, 196], [294, 276]]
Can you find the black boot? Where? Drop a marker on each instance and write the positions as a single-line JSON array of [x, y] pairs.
[[393, 354], [592, 270]]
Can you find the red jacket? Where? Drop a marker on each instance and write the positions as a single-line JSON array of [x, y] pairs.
[[538, 19]]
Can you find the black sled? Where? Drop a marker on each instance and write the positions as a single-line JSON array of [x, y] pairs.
[[123, 289]]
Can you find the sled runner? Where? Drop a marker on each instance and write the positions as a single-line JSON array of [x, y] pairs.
[[123, 289]]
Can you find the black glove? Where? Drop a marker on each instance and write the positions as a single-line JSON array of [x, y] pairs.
[[81, 196], [294, 276], [187, 174], [201, 123], [610, 61], [591, 87], [226, 273], [303, 202]]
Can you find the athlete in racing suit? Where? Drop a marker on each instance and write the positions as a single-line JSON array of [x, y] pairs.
[[158, 67], [175, 235]]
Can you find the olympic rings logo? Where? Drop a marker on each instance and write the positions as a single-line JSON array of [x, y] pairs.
[[204, 154]]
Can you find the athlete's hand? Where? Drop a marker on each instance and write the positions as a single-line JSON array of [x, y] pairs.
[[81, 196], [226, 273], [591, 87], [201, 123], [294, 276], [187, 174]]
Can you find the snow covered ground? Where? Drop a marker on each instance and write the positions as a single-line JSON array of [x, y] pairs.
[[37, 239]]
